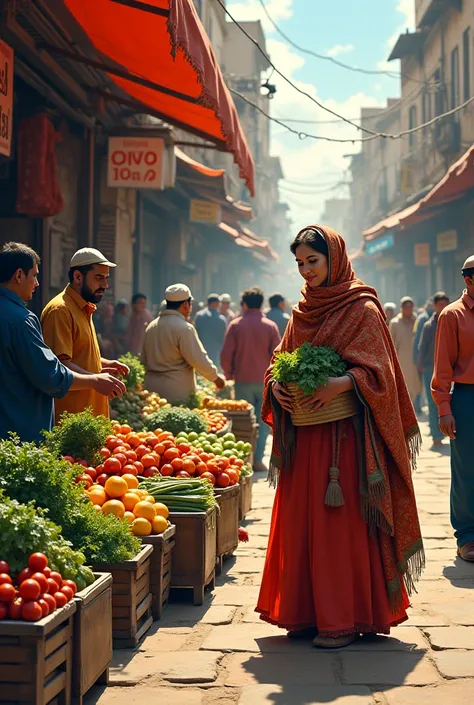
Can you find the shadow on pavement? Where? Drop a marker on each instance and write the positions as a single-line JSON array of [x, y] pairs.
[[460, 574]]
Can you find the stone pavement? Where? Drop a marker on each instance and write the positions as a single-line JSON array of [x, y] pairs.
[[222, 654]]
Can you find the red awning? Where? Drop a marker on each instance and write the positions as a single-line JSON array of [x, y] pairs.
[[454, 184], [166, 63], [246, 238]]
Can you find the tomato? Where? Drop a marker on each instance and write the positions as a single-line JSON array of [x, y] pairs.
[[31, 611], [105, 453], [57, 577], [171, 454], [182, 475], [150, 472], [177, 464], [112, 466], [86, 480], [190, 467], [44, 607], [122, 458], [234, 478], [30, 589], [3, 611], [92, 472], [60, 598], [184, 448], [41, 580], [69, 459], [5, 578], [131, 456], [209, 476], [49, 599], [7, 592], [129, 469], [15, 608], [223, 480], [102, 479], [47, 572], [139, 467], [52, 586], [71, 584], [99, 470], [66, 590], [167, 470], [25, 574], [201, 468], [4, 567]]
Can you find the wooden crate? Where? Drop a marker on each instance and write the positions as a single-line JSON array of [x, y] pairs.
[[163, 545], [245, 502], [227, 539], [194, 553], [36, 659], [92, 645], [131, 598]]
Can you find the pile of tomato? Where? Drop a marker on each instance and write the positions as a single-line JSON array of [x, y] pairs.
[[36, 592]]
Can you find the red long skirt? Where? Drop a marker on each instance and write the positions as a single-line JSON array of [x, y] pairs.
[[322, 568]]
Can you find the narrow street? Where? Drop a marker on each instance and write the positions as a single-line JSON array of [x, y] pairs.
[[221, 653]]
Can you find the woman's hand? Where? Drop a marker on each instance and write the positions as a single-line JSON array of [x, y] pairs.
[[325, 394], [282, 396]]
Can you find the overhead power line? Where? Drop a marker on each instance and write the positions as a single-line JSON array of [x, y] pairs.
[[314, 192], [324, 57]]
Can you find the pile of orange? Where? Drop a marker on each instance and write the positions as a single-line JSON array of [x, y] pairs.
[[122, 497], [215, 420]]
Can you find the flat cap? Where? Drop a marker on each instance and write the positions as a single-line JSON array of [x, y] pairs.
[[406, 300], [178, 292], [87, 256], [469, 263]]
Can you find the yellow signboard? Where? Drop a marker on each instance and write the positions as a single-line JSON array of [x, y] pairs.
[[204, 212], [447, 241], [422, 254]]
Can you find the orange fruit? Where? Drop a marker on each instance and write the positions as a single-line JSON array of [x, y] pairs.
[[149, 498], [141, 527], [97, 507], [113, 506], [129, 500], [97, 497], [161, 510], [160, 524], [125, 429], [130, 517], [131, 480], [144, 510], [116, 486]]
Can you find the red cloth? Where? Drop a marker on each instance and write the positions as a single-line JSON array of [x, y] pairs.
[[322, 567], [248, 347]]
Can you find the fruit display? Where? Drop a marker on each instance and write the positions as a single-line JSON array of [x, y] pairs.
[[122, 498], [132, 406], [193, 495], [226, 446], [225, 404], [176, 419], [31, 473], [216, 421], [35, 592]]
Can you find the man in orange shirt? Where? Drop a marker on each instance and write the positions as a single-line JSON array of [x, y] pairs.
[[454, 363], [69, 330]]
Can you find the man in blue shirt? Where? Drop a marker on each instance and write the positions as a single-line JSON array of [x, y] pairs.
[[31, 375], [211, 327], [277, 312]]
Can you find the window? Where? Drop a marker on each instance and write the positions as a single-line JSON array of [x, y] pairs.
[[466, 60], [439, 93], [455, 84], [426, 108], [411, 125]]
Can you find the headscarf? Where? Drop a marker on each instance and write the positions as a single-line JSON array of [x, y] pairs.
[[347, 316]]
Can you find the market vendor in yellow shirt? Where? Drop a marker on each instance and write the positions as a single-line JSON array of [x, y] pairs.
[[68, 329]]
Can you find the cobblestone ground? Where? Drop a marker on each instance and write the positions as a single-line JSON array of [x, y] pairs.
[[221, 654]]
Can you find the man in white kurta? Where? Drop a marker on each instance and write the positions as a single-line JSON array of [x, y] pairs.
[[401, 328]]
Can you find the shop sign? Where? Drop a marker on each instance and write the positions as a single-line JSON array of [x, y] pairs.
[[422, 254], [379, 245], [204, 211], [136, 162], [447, 241], [384, 263], [6, 98]]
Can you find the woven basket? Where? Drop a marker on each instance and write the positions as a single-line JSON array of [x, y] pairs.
[[342, 407]]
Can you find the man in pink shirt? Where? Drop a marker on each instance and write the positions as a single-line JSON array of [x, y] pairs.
[[248, 347]]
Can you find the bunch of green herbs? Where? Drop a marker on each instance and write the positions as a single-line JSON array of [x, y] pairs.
[[175, 420], [309, 367], [135, 379], [79, 435]]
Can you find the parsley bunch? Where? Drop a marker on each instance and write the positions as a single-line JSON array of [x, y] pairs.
[[136, 377], [175, 420], [79, 435], [309, 367]]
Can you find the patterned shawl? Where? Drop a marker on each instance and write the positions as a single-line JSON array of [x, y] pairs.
[[346, 315]]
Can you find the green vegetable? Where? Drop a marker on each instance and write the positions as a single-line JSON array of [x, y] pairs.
[[175, 420], [79, 435], [309, 367], [194, 495], [31, 473], [137, 371], [25, 529]]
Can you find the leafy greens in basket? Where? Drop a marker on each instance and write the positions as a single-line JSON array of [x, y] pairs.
[[309, 367]]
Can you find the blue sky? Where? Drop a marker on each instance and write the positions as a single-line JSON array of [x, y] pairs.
[[357, 32]]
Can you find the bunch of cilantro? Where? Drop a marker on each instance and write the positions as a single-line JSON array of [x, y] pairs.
[[309, 367], [80, 436]]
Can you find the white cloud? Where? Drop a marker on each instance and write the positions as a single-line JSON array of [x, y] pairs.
[[407, 9], [339, 49], [250, 10]]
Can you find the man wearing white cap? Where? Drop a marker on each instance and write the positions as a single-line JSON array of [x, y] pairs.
[[172, 351], [69, 330], [224, 308], [454, 362]]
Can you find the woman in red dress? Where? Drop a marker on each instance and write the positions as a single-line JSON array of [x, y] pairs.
[[341, 561]]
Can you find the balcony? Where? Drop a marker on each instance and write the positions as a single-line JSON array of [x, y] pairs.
[[429, 11], [408, 44]]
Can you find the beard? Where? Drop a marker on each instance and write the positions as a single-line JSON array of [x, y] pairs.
[[92, 297]]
